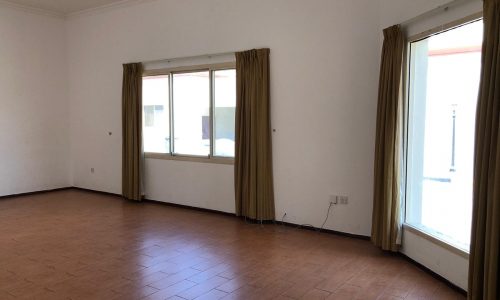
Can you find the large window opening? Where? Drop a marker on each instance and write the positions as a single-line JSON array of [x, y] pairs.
[[190, 112], [444, 73]]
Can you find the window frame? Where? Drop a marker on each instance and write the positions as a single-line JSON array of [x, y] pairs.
[[211, 68], [428, 235]]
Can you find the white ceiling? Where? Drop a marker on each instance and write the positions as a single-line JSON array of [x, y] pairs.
[[63, 6]]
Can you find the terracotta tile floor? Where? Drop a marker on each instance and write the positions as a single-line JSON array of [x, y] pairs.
[[79, 245]]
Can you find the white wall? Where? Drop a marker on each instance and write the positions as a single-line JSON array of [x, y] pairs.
[[33, 103], [191, 183], [397, 11], [441, 260], [324, 73]]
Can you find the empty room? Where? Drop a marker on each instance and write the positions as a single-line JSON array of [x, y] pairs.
[[250, 149]]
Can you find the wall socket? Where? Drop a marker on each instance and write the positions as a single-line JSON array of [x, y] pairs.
[[343, 200], [92, 170], [336, 199]]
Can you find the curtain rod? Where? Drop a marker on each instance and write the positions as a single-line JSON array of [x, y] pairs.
[[187, 57], [440, 8]]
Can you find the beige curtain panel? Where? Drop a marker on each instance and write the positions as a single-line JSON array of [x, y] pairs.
[[484, 263], [253, 158], [386, 223], [132, 154]]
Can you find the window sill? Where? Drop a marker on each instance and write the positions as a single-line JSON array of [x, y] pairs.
[[207, 160], [436, 240]]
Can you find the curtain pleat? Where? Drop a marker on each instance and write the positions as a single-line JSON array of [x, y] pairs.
[[386, 219], [484, 279], [132, 153], [253, 159]]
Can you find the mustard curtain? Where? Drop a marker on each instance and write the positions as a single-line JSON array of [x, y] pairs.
[[253, 156], [386, 223], [132, 154], [484, 279]]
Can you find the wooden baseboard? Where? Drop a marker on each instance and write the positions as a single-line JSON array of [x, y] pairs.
[[95, 191], [329, 231], [35, 192], [190, 207]]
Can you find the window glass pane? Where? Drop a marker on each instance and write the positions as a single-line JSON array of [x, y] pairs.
[[444, 81], [191, 113], [156, 132], [225, 109]]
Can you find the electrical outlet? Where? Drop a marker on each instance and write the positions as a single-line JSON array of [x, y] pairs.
[[333, 199], [344, 200], [92, 170]]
